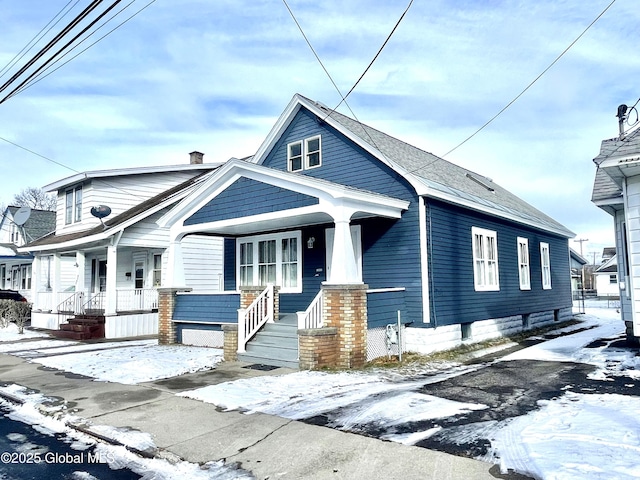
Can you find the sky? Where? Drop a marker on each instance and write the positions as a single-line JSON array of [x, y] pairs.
[[579, 434], [215, 76]]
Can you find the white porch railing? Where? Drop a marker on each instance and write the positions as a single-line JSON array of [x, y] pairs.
[[145, 299], [312, 316], [251, 319], [132, 300]]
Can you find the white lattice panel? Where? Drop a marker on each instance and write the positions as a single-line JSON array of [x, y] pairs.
[[203, 338]]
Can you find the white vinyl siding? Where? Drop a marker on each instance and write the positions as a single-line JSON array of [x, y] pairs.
[[524, 271], [545, 263], [485, 259], [271, 259]]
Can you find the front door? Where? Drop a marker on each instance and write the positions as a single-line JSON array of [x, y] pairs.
[[98, 275]]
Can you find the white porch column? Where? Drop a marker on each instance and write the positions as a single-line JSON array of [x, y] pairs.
[[55, 280], [35, 281], [344, 269], [80, 271], [110, 299], [175, 264]]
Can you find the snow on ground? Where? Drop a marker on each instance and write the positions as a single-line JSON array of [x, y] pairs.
[[135, 364], [577, 435], [10, 333], [117, 456]]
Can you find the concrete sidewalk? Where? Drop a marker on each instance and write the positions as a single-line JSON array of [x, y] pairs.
[[268, 446]]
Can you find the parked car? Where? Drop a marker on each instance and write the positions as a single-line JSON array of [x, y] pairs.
[[11, 295]]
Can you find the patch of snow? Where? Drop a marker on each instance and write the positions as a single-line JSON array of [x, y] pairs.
[[135, 364], [595, 436], [10, 333]]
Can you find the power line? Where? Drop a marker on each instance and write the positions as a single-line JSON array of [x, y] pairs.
[[81, 16], [384, 44], [42, 75], [31, 43], [530, 84]]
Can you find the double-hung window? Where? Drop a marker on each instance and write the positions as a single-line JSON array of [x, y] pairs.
[[523, 264], [304, 154], [73, 205], [485, 259], [271, 259], [545, 263]]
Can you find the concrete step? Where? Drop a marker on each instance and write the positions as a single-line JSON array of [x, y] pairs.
[[277, 352]]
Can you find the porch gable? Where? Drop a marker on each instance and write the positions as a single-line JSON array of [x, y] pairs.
[[246, 197]]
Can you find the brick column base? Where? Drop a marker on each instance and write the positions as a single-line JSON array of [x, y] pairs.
[[230, 332], [318, 348], [166, 304], [345, 309]]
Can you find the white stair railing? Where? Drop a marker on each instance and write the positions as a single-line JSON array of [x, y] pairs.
[[252, 318], [312, 316]]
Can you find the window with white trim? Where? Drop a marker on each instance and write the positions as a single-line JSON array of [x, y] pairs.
[[485, 259], [304, 154], [272, 259], [545, 263], [73, 205], [523, 263]]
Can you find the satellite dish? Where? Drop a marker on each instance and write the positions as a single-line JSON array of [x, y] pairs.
[[100, 211], [21, 216]]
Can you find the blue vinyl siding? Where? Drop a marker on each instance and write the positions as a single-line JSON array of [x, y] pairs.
[[222, 308], [383, 308], [247, 197], [391, 248], [453, 298], [229, 264]]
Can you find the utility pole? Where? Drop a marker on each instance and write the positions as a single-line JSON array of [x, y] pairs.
[[581, 241]]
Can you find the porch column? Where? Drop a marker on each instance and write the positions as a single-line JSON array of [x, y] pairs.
[[175, 264], [110, 300], [80, 270], [55, 280], [35, 281], [344, 269]]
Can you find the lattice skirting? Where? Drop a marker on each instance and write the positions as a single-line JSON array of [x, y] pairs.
[[377, 343], [203, 338]]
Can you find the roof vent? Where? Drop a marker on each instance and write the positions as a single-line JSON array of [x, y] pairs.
[[195, 158], [622, 117]]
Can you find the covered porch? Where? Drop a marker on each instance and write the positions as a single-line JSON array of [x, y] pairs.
[[280, 264], [114, 287]]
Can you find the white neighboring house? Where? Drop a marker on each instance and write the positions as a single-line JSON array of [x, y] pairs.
[[95, 277], [15, 267], [607, 279]]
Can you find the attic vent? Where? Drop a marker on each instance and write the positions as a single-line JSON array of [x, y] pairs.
[[479, 181]]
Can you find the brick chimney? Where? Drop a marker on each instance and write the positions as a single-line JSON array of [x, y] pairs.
[[195, 158]]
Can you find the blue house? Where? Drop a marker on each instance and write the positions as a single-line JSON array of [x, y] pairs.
[[334, 230]]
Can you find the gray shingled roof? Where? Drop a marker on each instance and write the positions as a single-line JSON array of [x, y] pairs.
[[39, 224], [446, 177], [603, 187], [112, 224]]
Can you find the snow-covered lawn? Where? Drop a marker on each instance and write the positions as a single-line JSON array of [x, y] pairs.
[[10, 333]]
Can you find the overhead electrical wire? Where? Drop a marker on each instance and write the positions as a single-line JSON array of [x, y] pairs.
[[533, 82], [52, 43], [31, 43], [42, 75]]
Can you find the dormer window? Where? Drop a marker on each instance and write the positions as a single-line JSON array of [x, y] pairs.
[[303, 155], [73, 205]]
